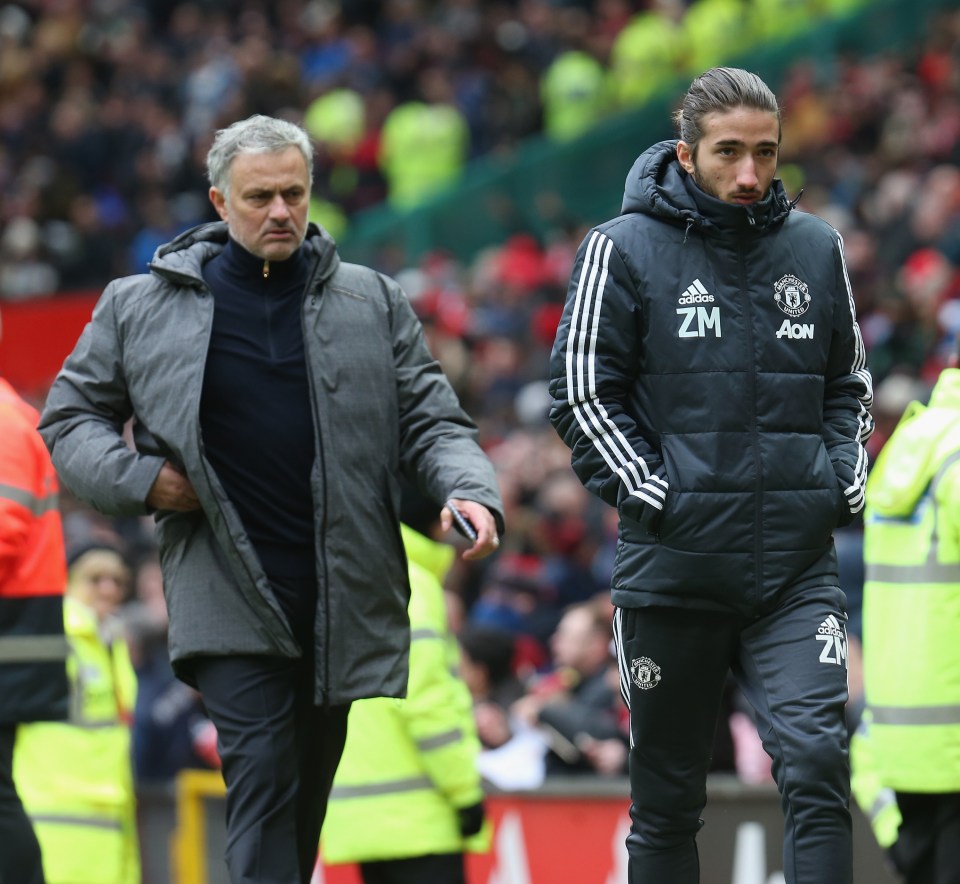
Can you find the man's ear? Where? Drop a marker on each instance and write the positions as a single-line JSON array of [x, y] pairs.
[[685, 156], [219, 202]]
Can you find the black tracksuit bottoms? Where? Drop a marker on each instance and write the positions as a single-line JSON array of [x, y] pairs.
[[279, 752], [20, 861], [790, 663]]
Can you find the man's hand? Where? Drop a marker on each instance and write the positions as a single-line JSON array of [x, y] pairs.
[[482, 519], [172, 490]]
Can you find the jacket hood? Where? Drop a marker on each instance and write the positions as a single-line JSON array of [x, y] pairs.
[[181, 260], [923, 439], [657, 185]]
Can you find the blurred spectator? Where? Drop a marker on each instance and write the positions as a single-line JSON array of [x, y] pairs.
[[715, 31], [565, 538], [577, 705], [24, 272], [424, 142], [76, 777], [780, 19], [494, 668], [518, 598], [487, 663], [171, 730], [575, 94], [649, 53]]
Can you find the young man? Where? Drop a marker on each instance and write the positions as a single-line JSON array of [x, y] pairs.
[[708, 375], [278, 394]]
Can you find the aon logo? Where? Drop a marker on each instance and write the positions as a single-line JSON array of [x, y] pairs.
[[795, 330]]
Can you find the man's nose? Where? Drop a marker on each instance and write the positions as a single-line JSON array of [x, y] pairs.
[[747, 174], [279, 208]]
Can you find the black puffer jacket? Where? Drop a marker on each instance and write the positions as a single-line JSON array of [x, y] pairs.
[[709, 377]]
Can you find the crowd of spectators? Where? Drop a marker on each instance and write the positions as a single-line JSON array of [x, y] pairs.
[[105, 112], [107, 107]]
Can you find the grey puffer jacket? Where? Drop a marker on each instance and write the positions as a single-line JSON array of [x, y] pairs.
[[382, 407]]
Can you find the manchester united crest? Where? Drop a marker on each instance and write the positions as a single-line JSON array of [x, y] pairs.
[[791, 295], [645, 673]]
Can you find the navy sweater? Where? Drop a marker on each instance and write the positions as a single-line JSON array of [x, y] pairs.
[[255, 414]]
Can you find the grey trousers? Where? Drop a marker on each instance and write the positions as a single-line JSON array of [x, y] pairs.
[[279, 753]]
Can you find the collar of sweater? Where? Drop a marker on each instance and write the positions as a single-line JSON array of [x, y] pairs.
[[242, 267]]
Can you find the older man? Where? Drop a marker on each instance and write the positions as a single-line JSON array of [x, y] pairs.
[[278, 394]]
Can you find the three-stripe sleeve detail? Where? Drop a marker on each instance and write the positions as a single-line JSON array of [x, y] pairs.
[[865, 425], [592, 417]]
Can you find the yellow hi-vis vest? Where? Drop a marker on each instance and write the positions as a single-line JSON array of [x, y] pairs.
[[75, 778], [911, 606], [409, 764]]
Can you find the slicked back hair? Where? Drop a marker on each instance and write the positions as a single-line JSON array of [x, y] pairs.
[[256, 134], [721, 89]]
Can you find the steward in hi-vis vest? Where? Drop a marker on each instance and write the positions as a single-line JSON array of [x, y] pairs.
[[911, 620], [33, 650], [76, 777], [408, 780]]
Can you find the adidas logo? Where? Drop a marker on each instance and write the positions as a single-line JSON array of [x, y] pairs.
[[696, 294], [834, 637], [831, 626]]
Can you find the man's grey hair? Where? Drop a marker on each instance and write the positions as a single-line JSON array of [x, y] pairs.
[[256, 134], [721, 89]]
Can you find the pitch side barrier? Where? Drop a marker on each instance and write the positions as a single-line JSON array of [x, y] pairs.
[[571, 829], [545, 185]]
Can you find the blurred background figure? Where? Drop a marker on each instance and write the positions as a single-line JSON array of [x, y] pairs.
[[906, 753], [487, 666], [496, 664], [425, 142], [407, 799], [33, 679], [171, 730], [577, 705], [76, 776]]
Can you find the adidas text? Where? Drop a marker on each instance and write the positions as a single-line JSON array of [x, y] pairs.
[[696, 299]]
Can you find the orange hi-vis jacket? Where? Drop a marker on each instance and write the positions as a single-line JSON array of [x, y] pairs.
[[33, 571]]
